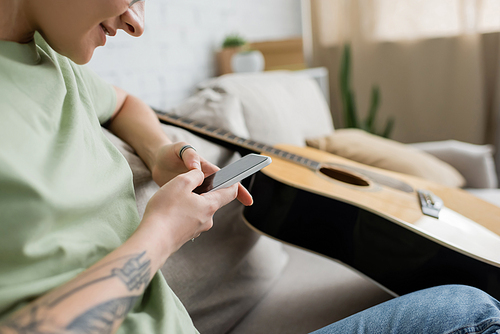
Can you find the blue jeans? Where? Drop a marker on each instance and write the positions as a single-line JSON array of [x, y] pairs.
[[450, 309]]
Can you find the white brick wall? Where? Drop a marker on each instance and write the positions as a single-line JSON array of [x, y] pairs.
[[178, 47]]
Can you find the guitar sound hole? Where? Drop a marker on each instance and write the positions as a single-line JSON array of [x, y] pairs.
[[344, 176]]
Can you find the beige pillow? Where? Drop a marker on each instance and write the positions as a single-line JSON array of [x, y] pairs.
[[372, 150]]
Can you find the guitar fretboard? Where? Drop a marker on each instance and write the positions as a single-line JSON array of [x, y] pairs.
[[224, 136], [227, 136]]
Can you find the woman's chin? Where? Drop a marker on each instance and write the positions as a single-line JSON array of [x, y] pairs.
[[81, 58], [79, 53]]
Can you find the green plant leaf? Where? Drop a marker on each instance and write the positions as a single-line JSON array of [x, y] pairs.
[[347, 95], [345, 68], [372, 112], [351, 114], [233, 40], [388, 128]]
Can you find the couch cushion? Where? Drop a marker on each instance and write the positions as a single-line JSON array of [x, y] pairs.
[[312, 292], [278, 107], [223, 274], [372, 150]]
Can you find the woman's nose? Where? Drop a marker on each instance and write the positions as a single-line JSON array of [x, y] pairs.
[[132, 21]]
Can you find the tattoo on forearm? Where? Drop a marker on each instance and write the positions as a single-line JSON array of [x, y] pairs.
[[27, 324], [135, 274], [102, 318]]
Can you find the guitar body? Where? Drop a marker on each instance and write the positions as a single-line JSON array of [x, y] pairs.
[[388, 226], [371, 220]]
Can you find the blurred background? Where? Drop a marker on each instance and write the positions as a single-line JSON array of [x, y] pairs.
[[435, 62], [181, 39]]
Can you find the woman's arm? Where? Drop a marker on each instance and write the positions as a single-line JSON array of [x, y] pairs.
[[136, 123], [98, 300]]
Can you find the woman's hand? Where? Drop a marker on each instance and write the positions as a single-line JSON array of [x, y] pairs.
[[181, 215], [168, 164]]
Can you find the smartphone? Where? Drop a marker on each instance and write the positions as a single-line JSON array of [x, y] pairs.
[[233, 173]]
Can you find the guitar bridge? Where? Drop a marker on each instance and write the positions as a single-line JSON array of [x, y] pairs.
[[430, 204]]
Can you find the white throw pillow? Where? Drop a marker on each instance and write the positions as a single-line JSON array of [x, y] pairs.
[[474, 162], [214, 109], [278, 107]]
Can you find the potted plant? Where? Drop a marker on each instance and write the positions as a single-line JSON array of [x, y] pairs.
[[233, 41], [236, 56], [232, 44]]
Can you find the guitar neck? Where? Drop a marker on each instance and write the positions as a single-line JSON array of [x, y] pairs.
[[230, 140]]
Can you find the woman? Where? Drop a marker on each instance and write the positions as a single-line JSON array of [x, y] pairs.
[[75, 258], [66, 194]]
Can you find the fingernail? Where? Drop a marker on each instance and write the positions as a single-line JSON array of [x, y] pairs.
[[197, 165]]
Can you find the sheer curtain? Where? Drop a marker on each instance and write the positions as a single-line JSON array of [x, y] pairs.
[[435, 61]]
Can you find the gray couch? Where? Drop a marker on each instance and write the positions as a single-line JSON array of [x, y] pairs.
[[231, 279]]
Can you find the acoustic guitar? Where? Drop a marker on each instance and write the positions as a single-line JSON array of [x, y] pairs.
[[403, 232]]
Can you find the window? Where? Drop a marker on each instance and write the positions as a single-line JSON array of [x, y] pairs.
[[414, 19]]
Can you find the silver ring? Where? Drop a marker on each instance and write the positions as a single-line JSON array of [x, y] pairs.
[[183, 148]]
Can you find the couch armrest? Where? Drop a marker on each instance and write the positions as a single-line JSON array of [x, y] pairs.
[[474, 162]]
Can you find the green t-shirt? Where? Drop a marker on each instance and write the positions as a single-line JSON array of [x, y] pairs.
[[66, 193]]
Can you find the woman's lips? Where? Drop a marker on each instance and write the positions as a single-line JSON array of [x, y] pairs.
[[104, 33], [105, 30]]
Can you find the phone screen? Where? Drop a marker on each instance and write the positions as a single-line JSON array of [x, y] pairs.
[[233, 173]]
